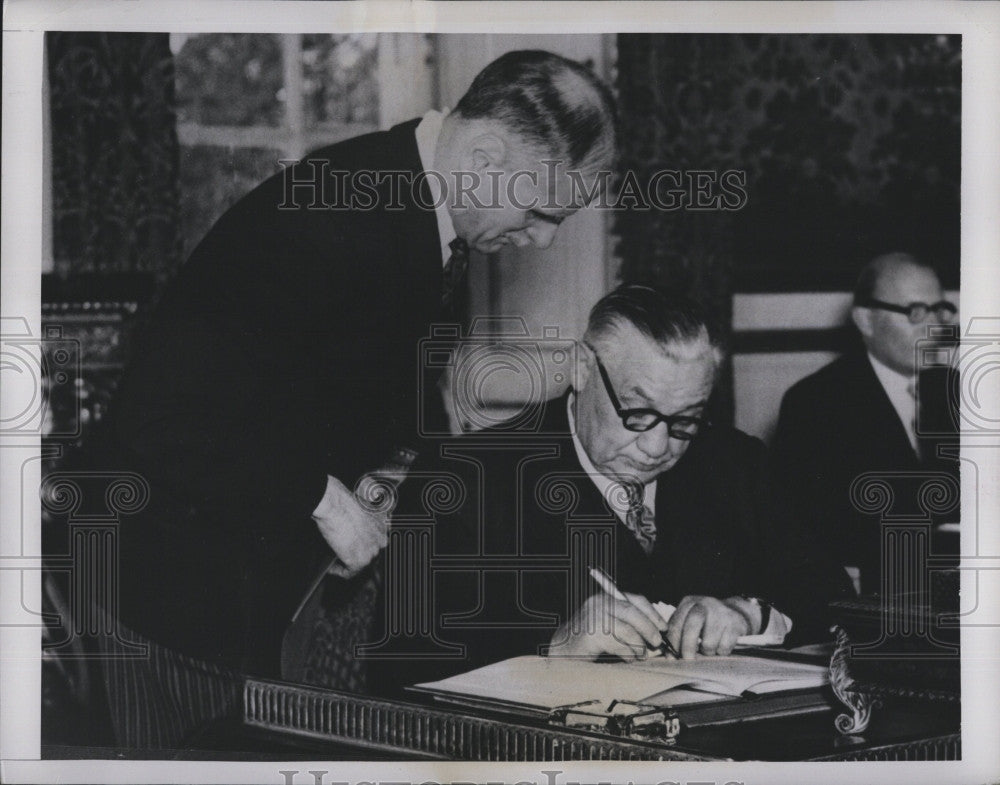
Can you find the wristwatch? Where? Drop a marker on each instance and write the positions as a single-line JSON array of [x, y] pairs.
[[765, 611]]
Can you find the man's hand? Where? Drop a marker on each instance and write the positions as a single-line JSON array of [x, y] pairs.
[[354, 533], [709, 625], [604, 625]]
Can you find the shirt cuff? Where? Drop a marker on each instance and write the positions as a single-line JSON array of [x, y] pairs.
[[779, 626]]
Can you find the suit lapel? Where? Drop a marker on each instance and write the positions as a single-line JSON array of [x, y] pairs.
[[876, 411], [420, 243]]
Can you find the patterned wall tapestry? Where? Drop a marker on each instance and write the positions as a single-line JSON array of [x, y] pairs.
[[850, 144], [114, 153], [850, 147]]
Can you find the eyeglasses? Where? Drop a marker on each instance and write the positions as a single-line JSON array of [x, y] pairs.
[[679, 426], [915, 312]]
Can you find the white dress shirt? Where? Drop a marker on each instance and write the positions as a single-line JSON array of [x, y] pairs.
[[608, 487], [899, 387]]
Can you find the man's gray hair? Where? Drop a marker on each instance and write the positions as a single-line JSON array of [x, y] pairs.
[[663, 316], [553, 103]]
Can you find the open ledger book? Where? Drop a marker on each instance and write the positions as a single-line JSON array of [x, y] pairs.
[[544, 683]]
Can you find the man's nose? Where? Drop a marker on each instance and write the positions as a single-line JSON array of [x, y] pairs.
[[542, 235], [656, 441]]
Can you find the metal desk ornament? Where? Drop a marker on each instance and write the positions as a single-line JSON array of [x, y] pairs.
[[623, 719]]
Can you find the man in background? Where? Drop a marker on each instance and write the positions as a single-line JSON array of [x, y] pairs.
[[860, 414], [281, 365]]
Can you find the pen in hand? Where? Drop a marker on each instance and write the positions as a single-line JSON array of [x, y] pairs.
[[609, 588]]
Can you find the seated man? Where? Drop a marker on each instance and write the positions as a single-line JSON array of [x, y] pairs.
[[860, 414], [623, 473]]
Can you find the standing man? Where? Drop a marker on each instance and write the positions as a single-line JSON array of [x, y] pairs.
[[860, 413], [281, 365]]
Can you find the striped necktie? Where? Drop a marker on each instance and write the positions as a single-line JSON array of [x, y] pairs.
[[639, 518], [454, 276]]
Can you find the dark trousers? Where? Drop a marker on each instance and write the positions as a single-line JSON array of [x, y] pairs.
[[158, 701]]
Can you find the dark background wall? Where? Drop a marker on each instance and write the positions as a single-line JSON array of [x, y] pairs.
[[850, 143]]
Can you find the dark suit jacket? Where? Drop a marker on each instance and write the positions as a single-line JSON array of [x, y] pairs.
[[526, 493], [838, 424], [286, 349]]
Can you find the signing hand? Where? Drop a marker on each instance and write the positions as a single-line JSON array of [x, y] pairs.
[[709, 625], [354, 533], [604, 625]]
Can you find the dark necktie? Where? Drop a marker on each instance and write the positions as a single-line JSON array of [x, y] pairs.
[[453, 277], [911, 388], [639, 519]]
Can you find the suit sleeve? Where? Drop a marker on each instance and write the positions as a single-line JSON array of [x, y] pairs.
[[807, 467], [226, 403], [790, 457], [184, 416], [810, 576]]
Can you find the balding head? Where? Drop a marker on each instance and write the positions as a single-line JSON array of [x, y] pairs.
[[895, 280], [883, 272]]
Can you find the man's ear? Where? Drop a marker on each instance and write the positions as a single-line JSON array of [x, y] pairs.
[[487, 151], [585, 365], [862, 318], [720, 360]]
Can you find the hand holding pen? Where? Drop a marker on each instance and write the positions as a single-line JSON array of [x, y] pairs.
[[690, 627], [637, 601], [611, 623]]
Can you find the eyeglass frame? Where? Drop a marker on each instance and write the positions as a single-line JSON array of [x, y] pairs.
[[700, 423], [911, 309]]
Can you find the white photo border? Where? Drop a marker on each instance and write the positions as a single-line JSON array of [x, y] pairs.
[[25, 22]]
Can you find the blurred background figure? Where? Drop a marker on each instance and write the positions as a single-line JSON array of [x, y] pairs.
[[872, 410]]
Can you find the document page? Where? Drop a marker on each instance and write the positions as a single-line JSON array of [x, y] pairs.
[[735, 675], [548, 682]]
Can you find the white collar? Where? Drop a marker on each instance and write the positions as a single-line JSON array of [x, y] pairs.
[[607, 487], [428, 131], [898, 387], [892, 380]]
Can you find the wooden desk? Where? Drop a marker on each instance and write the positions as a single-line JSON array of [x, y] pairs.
[[316, 724], [316, 721]]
